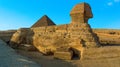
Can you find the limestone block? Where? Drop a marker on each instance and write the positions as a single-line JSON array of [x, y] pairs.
[[48, 50], [62, 27], [27, 47], [77, 50], [61, 31], [64, 55], [39, 29], [62, 42], [50, 28], [92, 44]]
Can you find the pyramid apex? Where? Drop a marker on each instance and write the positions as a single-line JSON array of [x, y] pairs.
[[44, 16], [43, 21]]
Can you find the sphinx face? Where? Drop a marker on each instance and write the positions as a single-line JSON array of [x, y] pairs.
[[81, 13], [83, 9], [87, 11]]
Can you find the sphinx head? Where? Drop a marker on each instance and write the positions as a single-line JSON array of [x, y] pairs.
[[81, 13]]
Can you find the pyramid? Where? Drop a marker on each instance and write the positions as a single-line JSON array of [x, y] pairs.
[[44, 21]]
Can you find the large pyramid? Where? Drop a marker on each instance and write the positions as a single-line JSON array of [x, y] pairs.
[[44, 21]]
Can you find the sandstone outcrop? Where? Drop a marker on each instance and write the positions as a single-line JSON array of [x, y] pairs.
[[48, 39], [21, 38]]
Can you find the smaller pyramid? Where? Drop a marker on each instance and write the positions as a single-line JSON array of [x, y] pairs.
[[44, 21]]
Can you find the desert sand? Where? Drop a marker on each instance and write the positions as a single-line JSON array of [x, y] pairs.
[[112, 60]]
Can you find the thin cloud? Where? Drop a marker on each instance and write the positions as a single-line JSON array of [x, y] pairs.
[[109, 3], [113, 2], [116, 0]]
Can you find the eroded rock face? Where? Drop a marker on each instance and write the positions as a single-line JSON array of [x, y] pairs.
[[49, 38], [22, 36]]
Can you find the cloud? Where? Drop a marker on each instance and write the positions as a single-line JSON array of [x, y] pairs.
[[116, 0], [109, 3], [113, 2]]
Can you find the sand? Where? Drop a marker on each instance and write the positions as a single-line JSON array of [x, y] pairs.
[[49, 61], [45, 61]]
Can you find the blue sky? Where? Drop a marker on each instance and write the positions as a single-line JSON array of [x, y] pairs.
[[15, 14]]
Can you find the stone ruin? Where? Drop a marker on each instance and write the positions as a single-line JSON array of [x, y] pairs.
[[63, 40]]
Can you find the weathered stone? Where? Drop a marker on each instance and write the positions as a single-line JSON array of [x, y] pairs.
[[65, 55], [51, 29], [21, 37]]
